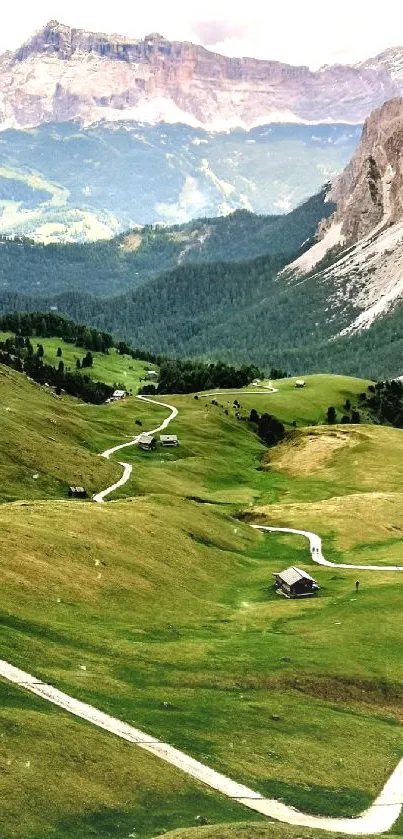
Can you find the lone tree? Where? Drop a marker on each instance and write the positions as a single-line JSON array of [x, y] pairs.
[[87, 360], [60, 367], [253, 416], [59, 352], [78, 364], [270, 429], [355, 417], [331, 415], [40, 351]]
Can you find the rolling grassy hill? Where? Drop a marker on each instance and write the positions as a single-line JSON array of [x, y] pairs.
[[159, 609], [48, 443]]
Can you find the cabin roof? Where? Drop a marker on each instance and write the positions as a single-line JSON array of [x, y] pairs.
[[167, 437], [292, 575], [146, 438]]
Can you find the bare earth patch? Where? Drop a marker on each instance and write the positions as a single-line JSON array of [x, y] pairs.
[[132, 242], [310, 451]]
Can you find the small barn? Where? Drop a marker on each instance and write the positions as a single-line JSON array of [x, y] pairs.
[[151, 374], [77, 492], [118, 394], [294, 582], [147, 442], [300, 383], [169, 440]]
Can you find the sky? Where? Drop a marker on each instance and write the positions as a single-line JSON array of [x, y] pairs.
[[311, 32]]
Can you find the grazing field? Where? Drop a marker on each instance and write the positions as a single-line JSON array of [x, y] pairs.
[[220, 455], [111, 368], [304, 406], [48, 443], [159, 609], [162, 614]]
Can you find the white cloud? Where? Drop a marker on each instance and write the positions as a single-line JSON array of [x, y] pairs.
[[296, 31]]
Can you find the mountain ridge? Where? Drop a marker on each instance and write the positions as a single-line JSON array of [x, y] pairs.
[[156, 80], [362, 242]]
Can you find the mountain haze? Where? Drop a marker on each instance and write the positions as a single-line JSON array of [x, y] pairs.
[[68, 183]]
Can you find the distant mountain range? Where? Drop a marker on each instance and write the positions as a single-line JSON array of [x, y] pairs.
[[63, 74], [101, 133], [318, 289]]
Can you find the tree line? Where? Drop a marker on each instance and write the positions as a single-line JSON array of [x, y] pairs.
[[52, 325], [384, 401], [19, 354], [186, 376]]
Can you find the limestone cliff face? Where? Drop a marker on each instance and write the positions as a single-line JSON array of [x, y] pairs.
[[367, 275], [369, 193], [62, 74]]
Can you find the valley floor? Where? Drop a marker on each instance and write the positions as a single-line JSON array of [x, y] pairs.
[[158, 609]]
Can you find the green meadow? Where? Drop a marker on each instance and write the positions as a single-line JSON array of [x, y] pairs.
[[158, 607], [111, 368], [304, 406]]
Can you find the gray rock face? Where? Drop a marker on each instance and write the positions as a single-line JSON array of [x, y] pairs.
[[370, 190], [365, 274], [63, 73]]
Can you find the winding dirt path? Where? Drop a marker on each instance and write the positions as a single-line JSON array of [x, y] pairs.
[[315, 544], [127, 467], [378, 818]]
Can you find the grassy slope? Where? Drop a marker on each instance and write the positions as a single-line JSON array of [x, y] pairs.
[[247, 830], [58, 440], [111, 369], [253, 683], [65, 779], [305, 406]]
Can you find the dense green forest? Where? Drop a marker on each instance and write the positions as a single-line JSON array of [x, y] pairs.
[[185, 376], [242, 312], [384, 401], [52, 325], [115, 266]]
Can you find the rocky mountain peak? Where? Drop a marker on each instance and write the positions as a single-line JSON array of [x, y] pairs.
[[390, 60], [369, 193], [365, 233], [63, 73]]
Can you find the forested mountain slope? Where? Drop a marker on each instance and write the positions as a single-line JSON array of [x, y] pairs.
[[113, 266], [239, 312]]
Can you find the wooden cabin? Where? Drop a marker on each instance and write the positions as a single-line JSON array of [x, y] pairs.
[[169, 440], [77, 492], [147, 442], [300, 383], [293, 582]]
